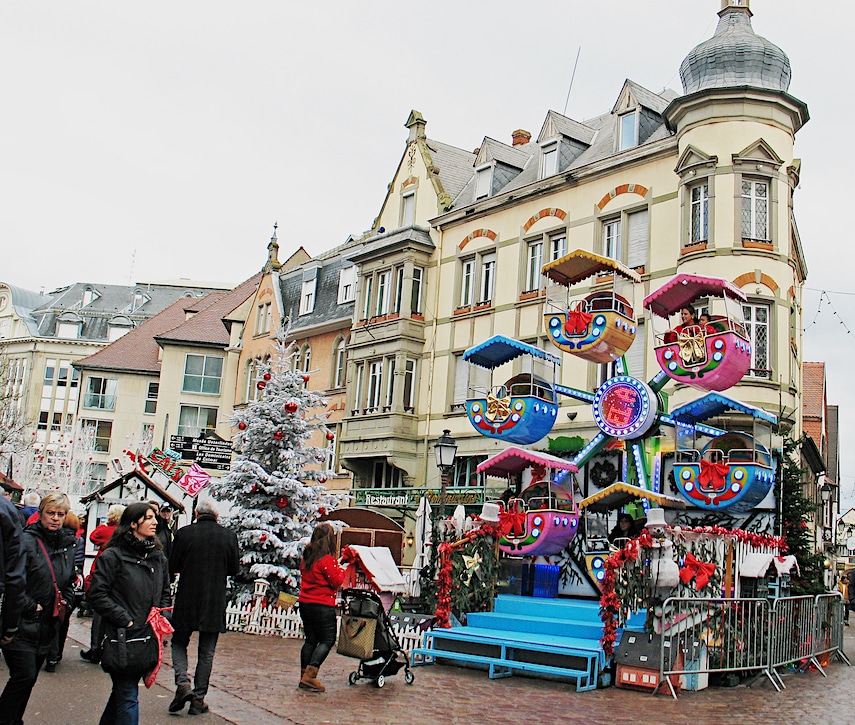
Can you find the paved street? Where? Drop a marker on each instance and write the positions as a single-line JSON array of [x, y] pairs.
[[254, 683]]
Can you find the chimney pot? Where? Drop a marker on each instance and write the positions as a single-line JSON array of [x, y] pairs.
[[520, 137]]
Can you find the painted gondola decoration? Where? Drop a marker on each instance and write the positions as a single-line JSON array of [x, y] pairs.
[[734, 470], [544, 519], [521, 410], [711, 356], [600, 326]]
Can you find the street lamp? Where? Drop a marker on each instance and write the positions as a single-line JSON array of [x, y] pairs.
[[825, 492], [445, 451]]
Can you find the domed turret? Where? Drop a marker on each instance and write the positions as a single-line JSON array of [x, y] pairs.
[[735, 56]]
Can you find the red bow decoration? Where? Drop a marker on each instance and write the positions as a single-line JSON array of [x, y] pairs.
[[713, 476], [697, 570], [161, 626], [512, 522], [577, 322]]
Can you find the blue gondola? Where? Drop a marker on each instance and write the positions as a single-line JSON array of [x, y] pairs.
[[735, 470], [521, 410]]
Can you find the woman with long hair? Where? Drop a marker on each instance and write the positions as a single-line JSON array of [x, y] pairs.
[[131, 578], [321, 578], [72, 523], [49, 550]]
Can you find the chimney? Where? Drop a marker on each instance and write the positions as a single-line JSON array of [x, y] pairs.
[[520, 137]]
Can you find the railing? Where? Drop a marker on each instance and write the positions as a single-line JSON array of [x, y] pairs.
[[702, 636]]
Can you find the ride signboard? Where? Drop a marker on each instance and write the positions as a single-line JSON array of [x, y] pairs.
[[206, 452]]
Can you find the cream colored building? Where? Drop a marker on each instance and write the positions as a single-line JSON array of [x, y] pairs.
[[700, 182]]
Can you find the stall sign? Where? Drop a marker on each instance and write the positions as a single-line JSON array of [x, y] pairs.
[[166, 465]]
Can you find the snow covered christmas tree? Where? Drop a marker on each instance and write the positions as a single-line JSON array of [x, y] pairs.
[[275, 485]]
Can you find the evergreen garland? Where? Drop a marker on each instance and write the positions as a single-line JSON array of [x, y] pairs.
[[795, 510]]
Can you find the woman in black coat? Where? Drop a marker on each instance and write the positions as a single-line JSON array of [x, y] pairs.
[[132, 577], [47, 546]]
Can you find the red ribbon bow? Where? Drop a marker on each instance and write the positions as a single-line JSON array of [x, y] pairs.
[[512, 522], [161, 626], [713, 476], [697, 570], [577, 322]]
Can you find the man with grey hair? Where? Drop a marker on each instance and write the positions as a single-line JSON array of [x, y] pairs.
[[203, 554], [30, 503]]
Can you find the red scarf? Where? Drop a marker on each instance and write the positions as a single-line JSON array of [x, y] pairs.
[[161, 626]]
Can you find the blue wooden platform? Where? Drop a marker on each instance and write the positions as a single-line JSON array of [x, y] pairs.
[[555, 637]]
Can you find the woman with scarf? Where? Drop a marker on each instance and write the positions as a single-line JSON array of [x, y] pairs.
[[132, 577], [49, 551]]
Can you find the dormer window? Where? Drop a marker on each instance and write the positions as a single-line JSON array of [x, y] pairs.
[[549, 160], [89, 296], [140, 298], [628, 130], [483, 182]]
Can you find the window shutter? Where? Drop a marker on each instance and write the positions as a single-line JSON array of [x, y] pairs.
[[635, 356], [461, 380], [638, 241]]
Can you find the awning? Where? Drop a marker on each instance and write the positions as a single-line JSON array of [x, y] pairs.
[[684, 288], [500, 349], [579, 265], [713, 404], [378, 565], [620, 493], [514, 460]]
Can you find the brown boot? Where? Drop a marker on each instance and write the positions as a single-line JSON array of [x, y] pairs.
[[302, 672], [309, 681]]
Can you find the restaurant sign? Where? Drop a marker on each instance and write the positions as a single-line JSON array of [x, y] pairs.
[[410, 497]]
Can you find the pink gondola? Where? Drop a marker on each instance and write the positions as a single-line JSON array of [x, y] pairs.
[[712, 356]]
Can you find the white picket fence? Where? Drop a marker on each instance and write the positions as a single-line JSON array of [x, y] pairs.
[[274, 621]]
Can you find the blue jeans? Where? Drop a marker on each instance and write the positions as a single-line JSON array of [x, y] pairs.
[[123, 707], [204, 660], [319, 628], [24, 666]]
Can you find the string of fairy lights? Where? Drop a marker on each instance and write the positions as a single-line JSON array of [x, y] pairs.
[[825, 299]]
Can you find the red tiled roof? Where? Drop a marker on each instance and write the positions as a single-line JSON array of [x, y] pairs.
[[137, 350], [9, 484], [206, 326]]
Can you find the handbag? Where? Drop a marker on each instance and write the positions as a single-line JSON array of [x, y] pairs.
[[60, 606], [132, 656], [356, 636]]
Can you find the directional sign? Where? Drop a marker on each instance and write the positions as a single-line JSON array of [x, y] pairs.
[[206, 452]]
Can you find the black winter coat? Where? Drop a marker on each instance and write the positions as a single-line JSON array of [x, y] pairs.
[[13, 577], [127, 583], [204, 554], [36, 628]]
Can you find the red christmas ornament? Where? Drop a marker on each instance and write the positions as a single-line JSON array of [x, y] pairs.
[[267, 376], [282, 502], [242, 425], [253, 489], [322, 511], [291, 407], [322, 480], [262, 538], [278, 435], [305, 378], [330, 436], [261, 385]]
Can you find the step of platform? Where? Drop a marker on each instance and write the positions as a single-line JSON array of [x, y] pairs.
[[563, 608], [590, 628]]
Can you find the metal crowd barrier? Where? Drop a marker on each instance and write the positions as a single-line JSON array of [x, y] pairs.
[[704, 636]]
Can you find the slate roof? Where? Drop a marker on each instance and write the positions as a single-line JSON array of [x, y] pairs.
[[454, 164], [326, 306], [25, 301], [206, 327], [112, 301], [735, 56], [137, 351], [593, 140]]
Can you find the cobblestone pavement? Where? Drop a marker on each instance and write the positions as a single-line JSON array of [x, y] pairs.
[[254, 683]]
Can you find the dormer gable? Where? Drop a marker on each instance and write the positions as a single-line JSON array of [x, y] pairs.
[[561, 141], [497, 164], [638, 114]]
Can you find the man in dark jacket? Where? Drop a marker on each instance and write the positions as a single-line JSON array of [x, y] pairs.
[[12, 571], [164, 528], [203, 554]]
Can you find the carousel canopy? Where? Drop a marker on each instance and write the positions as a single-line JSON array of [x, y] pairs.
[[579, 265], [619, 494], [684, 288], [514, 460], [714, 404], [500, 349]]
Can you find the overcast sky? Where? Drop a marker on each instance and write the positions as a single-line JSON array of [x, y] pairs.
[[149, 141]]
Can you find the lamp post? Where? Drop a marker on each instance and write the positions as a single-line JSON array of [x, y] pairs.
[[445, 451]]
